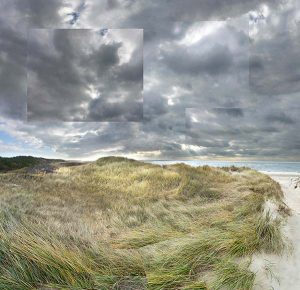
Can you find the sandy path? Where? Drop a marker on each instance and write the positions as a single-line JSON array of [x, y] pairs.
[[285, 268]]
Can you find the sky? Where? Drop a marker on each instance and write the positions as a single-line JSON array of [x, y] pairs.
[[161, 79]]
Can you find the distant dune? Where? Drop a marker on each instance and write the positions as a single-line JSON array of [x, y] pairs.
[[18, 162]]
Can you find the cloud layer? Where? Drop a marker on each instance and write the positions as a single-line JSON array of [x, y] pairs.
[[220, 78]]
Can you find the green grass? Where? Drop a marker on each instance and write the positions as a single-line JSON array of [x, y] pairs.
[[19, 162], [123, 224], [14, 163]]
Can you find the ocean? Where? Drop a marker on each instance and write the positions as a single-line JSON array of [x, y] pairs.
[[262, 166]]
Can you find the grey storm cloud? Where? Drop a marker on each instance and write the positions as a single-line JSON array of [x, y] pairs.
[[12, 62], [115, 112], [232, 112], [72, 72], [182, 61], [173, 79], [275, 54], [12, 73]]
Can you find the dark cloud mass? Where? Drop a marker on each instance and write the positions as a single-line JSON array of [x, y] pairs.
[[275, 54], [151, 79], [12, 62], [71, 73], [184, 61]]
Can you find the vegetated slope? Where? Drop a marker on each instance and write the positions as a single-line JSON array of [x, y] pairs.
[[18, 162], [123, 224]]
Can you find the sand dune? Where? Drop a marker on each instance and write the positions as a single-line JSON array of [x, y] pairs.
[[285, 269]]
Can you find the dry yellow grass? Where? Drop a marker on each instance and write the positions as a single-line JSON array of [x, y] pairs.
[[120, 223]]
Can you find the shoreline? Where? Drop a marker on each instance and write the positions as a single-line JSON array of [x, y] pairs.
[[270, 168], [280, 173]]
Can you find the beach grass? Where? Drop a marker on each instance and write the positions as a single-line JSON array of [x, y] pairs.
[[122, 224]]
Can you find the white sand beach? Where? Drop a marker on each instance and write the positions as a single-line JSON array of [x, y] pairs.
[[285, 269]]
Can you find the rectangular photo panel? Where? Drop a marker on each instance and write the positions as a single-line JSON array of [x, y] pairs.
[[191, 65], [275, 51], [247, 133], [85, 75]]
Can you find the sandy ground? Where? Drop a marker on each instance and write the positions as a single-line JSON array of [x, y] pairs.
[[285, 269]]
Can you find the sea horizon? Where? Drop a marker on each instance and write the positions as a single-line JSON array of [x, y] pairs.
[[291, 167]]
